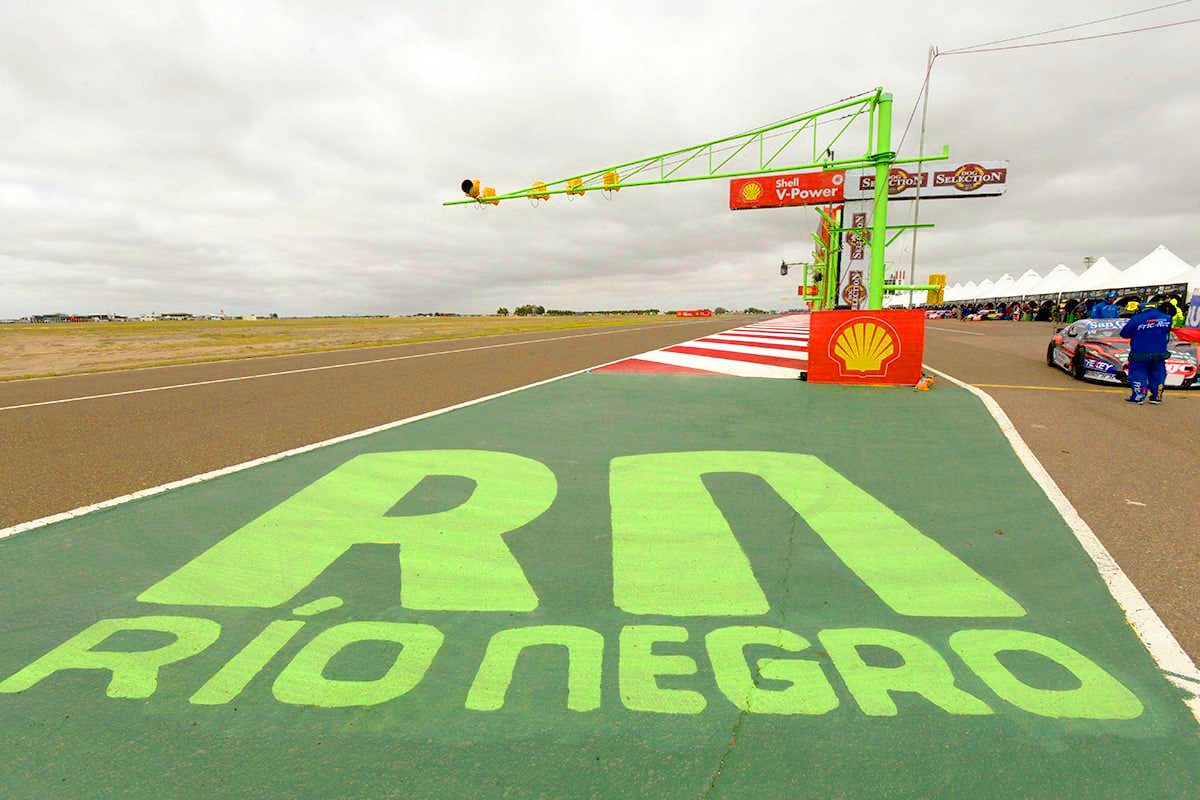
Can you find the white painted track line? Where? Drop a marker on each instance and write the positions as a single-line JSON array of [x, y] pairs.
[[738, 351], [336, 366], [741, 369], [775, 344], [22, 527], [738, 347], [1170, 656]]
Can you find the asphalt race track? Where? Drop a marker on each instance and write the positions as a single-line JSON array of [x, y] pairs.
[[1126, 469], [64, 455], [638, 581], [1131, 471]]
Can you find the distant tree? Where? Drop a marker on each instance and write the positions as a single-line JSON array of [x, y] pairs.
[[502, 311], [719, 310], [539, 310], [753, 310]]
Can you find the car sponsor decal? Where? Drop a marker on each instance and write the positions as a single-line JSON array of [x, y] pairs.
[[1098, 365]]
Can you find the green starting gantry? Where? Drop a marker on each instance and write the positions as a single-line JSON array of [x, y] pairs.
[[711, 161]]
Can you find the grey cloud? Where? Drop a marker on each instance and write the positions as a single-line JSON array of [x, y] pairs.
[[292, 157]]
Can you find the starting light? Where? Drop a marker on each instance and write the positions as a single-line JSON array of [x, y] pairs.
[[783, 268], [489, 192], [471, 187], [539, 191], [575, 187], [611, 179]]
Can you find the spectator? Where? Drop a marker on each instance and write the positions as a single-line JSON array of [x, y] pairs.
[[1148, 332], [1176, 313], [1108, 309]]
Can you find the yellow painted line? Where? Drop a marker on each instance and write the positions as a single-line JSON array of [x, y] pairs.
[[951, 330], [1059, 388]]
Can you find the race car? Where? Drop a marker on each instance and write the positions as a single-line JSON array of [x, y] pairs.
[[1093, 350]]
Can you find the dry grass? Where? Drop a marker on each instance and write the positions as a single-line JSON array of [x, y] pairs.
[[31, 351]]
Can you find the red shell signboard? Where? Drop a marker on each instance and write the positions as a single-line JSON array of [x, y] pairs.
[[794, 189], [866, 347]]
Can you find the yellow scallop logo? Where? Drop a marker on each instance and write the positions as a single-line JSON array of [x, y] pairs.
[[864, 346], [752, 191]]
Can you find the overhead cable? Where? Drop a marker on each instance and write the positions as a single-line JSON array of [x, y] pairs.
[[1072, 27]]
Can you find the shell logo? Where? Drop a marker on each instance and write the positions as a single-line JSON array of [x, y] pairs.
[[752, 191], [864, 347]]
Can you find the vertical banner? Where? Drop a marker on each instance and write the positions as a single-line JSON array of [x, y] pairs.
[[822, 256], [854, 289], [866, 347], [854, 286]]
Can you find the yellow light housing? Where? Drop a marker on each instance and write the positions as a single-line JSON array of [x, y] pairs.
[[471, 187], [489, 192], [575, 187], [611, 179], [539, 191]]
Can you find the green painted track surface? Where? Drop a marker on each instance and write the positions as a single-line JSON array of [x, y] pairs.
[[943, 467]]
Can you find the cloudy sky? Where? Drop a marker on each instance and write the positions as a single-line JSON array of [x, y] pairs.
[[292, 157]]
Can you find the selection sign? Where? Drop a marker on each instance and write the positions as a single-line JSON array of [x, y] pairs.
[[938, 179]]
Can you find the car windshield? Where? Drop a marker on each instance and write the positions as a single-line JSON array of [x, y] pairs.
[[1104, 331], [1114, 333]]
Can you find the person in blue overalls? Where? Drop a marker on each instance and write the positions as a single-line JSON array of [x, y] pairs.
[[1148, 332], [1108, 309]]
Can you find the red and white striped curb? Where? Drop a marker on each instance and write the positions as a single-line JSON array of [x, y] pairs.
[[776, 348]]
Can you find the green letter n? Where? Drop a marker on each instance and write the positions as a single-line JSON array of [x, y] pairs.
[[454, 560], [674, 553]]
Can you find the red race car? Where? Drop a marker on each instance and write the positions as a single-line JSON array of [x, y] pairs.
[[1093, 350]]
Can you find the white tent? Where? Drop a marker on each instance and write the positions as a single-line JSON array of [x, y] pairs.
[[1100, 275], [1004, 286], [968, 291], [983, 291], [1193, 280], [1055, 281], [953, 293], [1159, 267], [1027, 281]]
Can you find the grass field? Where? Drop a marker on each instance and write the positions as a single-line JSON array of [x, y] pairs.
[[30, 351]]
